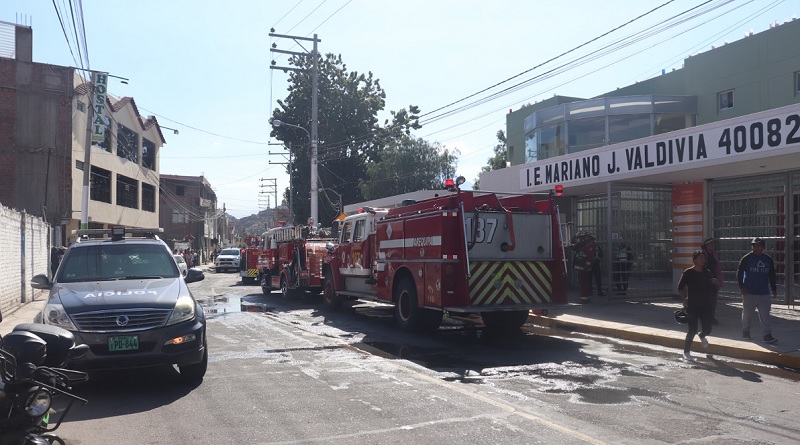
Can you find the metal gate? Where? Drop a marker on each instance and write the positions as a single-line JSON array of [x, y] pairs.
[[632, 226], [759, 206]]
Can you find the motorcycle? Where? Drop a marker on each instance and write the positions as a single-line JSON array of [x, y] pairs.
[[32, 357]]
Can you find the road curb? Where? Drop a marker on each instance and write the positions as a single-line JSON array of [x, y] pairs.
[[670, 339]]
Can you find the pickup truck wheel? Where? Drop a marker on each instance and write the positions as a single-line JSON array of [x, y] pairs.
[[264, 281], [407, 314], [509, 320], [329, 298]]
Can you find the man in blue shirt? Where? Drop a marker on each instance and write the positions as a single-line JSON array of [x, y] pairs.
[[756, 276]]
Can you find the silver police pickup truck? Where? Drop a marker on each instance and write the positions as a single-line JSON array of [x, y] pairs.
[[125, 298]]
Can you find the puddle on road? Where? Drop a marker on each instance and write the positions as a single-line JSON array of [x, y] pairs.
[[223, 304], [587, 381]]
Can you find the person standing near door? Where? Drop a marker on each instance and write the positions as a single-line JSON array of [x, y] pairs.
[[597, 269], [756, 277], [582, 263]]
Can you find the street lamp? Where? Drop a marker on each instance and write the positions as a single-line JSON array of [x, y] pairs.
[[314, 190]]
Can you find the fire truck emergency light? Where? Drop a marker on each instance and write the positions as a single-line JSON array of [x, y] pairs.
[[559, 190]]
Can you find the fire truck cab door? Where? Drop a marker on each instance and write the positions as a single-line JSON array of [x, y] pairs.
[[355, 254]]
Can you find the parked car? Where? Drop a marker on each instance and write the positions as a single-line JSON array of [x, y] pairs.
[[181, 264], [228, 259], [125, 298]]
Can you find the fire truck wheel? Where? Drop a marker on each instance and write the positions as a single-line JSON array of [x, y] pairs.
[[264, 281], [406, 312], [506, 320], [286, 293], [329, 298]]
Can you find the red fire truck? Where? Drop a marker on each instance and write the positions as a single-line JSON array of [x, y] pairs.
[[291, 260], [464, 252], [248, 262]]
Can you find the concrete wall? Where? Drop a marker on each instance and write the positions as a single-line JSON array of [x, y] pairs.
[[24, 241]]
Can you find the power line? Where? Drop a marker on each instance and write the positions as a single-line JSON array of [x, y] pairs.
[[547, 61]]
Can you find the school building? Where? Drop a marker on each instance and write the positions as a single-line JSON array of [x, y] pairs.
[[708, 150]]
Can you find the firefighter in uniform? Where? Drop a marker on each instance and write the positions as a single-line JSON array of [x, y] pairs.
[[585, 252]]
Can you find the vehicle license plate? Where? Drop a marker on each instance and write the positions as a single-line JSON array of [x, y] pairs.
[[127, 343]]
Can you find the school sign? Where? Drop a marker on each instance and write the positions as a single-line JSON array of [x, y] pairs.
[[767, 133]]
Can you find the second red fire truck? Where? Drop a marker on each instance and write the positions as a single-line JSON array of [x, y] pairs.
[[291, 259]]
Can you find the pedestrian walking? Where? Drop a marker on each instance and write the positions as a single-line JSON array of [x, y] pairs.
[[597, 269], [712, 264], [582, 262], [696, 288], [189, 258], [756, 277]]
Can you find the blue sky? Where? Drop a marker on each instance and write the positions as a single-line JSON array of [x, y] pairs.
[[202, 67]]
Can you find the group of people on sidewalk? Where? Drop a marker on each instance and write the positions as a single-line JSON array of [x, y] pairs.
[[698, 286]]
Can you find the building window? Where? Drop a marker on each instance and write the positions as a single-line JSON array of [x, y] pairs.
[[148, 197], [531, 147], [127, 192], [127, 143], [148, 154], [552, 141], [106, 144], [628, 127], [179, 217], [81, 107], [585, 134], [726, 100], [100, 185], [797, 82], [180, 190]]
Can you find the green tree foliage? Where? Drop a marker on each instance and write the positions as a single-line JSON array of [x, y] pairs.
[[349, 132], [497, 161], [407, 165]]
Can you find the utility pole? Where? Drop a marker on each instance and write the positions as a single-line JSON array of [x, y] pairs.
[[291, 190], [271, 187], [314, 115], [98, 86]]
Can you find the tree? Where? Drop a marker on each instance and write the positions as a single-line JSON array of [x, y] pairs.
[[407, 165], [498, 161], [349, 132]]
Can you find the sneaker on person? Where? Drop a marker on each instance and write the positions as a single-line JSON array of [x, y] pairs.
[[687, 357], [746, 335], [769, 339], [704, 341]]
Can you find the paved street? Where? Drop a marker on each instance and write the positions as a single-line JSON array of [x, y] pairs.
[[287, 372]]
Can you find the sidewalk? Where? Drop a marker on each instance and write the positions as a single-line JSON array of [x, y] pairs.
[[647, 321], [651, 321]]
